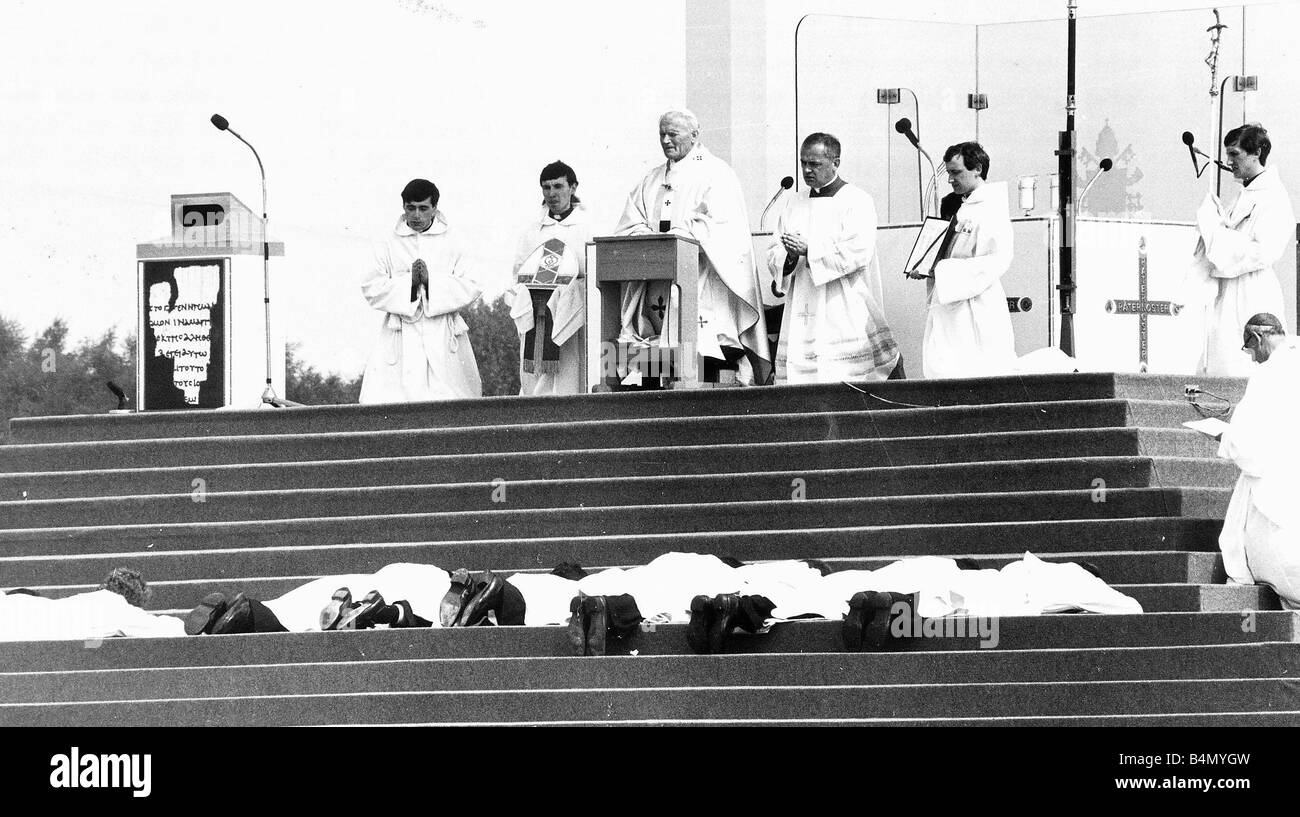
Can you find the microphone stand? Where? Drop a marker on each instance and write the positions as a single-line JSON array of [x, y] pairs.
[[268, 395], [762, 220]]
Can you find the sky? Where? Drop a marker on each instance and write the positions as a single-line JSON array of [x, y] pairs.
[[104, 114]]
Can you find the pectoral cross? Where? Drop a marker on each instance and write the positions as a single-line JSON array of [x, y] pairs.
[[1142, 307]]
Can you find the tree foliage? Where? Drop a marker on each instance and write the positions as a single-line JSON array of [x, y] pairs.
[[46, 377], [495, 340]]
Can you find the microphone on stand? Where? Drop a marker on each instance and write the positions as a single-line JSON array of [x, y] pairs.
[[1103, 167], [904, 126], [786, 184], [1194, 151], [268, 395]]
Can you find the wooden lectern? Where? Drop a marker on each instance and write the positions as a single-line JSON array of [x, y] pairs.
[[656, 257]]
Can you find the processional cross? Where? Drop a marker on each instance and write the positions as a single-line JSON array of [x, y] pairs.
[[1142, 307]]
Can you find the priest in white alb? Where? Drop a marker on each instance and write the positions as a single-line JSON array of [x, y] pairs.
[[419, 281], [967, 324], [697, 195], [1233, 268], [824, 255], [1260, 540]]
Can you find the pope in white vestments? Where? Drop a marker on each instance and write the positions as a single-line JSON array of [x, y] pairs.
[[419, 280], [697, 195], [1260, 540], [967, 324], [549, 302], [1237, 250], [834, 325]]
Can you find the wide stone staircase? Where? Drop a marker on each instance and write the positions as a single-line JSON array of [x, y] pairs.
[[1085, 466]]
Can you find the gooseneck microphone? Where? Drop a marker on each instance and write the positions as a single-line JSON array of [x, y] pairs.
[[1194, 151], [1103, 166], [904, 126], [786, 184], [268, 395]]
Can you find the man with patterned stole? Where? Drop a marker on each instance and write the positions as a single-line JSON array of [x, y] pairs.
[[548, 301], [697, 195], [825, 248]]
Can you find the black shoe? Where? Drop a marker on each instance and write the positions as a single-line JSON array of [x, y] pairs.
[[201, 618], [596, 613], [697, 631], [725, 608], [486, 598], [578, 623], [867, 624], [362, 616], [338, 607], [462, 587], [404, 616], [238, 618], [967, 563]]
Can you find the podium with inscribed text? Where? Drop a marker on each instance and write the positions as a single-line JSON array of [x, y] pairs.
[[200, 310], [674, 357]]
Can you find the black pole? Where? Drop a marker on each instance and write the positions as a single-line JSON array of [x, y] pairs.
[[1065, 168]]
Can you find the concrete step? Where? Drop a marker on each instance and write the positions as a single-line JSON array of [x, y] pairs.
[[519, 674], [1075, 631], [619, 406], [314, 548], [1018, 428], [682, 704], [202, 504], [776, 514], [793, 459]]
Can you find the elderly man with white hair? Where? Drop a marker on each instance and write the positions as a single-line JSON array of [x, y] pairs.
[[697, 195]]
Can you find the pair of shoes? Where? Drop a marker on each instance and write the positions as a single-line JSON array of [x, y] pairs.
[[338, 607], [487, 597], [453, 603], [867, 624], [238, 617], [361, 616], [588, 624], [209, 611], [712, 620]]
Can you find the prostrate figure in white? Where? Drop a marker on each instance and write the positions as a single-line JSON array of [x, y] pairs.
[[420, 281], [116, 609]]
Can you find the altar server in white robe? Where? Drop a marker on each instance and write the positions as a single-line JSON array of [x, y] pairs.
[[1233, 267], [697, 195], [1260, 539], [824, 256], [551, 318], [967, 324], [420, 280]]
